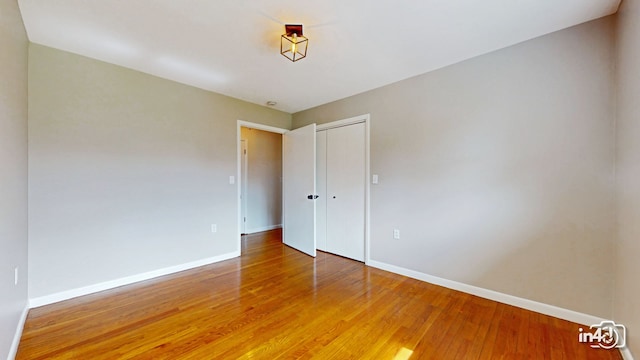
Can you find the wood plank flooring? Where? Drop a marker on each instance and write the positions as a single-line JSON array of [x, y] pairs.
[[277, 303]]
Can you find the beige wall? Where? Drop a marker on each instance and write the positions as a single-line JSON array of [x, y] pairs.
[[627, 290], [127, 171], [13, 171], [264, 185], [498, 171]]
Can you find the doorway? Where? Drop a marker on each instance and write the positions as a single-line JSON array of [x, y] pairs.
[[259, 174], [261, 179]]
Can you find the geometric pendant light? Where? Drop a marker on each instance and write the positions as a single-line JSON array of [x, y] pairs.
[[293, 45]]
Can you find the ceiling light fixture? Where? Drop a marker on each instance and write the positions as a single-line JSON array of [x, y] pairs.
[[293, 45]]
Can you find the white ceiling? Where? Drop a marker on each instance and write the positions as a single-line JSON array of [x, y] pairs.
[[232, 46]]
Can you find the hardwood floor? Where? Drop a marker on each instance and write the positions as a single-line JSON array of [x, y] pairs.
[[277, 303]]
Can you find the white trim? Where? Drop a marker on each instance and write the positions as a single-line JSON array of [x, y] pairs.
[[13, 350], [251, 125], [69, 294], [527, 304], [626, 353], [247, 124], [367, 196], [344, 122], [264, 228]]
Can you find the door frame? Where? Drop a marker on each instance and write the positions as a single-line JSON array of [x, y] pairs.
[[366, 119], [240, 124]]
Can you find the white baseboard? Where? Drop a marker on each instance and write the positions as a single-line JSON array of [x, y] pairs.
[[626, 354], [69, 294], [527, 304], [264, 228], [13, 350]]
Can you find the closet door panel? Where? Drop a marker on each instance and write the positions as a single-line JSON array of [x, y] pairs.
[[321, 190], [346, 191]]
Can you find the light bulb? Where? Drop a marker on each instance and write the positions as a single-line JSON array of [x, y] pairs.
[[294, 44]]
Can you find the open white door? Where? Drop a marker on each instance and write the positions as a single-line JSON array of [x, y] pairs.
[[299, 188], [244, 180]]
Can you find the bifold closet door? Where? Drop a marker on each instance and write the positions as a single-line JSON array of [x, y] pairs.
[[345, 182]]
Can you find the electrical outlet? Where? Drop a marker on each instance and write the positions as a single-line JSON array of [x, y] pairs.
[[396, 234], [214, 228], [15, 276]]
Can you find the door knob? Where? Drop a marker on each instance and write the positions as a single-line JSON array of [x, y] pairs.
[[312, 197]]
